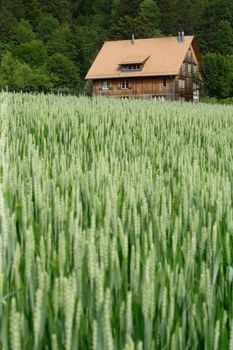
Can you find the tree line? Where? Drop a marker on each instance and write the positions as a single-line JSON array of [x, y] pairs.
[[49, 45]]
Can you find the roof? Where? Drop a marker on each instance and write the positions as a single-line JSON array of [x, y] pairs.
[[134, 59], [162, 56]]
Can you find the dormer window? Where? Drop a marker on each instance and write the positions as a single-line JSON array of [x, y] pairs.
[[133, 63], [131, 67]]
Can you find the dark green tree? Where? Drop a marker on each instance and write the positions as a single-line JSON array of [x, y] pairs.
[[213, 25], [123, 15], [46, 27], [196, 10], [33, 11], [125, 28], [222, 38], [88, 40], [169, 19], [60, 9], [82, 8], [148, 20], [63, 72], [62, 41], [22, 32], [7, 22], [102, 7], [34, 53], [184, 16], [9, 75], [217, 74], [125, 7], [39, 80], [16, 7], [220, 10]]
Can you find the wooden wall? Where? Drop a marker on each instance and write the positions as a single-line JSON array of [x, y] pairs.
[[143, 87], [188, 69]]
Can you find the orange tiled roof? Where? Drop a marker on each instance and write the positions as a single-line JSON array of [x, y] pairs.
[[162, 56]]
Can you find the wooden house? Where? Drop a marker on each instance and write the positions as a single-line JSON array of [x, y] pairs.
[[148, 68]]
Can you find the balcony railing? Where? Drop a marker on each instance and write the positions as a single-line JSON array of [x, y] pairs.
[[137, 92], [168, 93]]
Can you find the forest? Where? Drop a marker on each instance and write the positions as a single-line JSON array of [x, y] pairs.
[[48, 45]]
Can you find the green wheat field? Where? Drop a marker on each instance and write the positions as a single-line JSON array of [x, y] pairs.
[[116, 224]]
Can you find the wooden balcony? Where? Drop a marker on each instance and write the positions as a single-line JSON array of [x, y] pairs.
[[144, 93]]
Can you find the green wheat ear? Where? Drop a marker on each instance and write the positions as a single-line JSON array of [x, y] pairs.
[[116, 224]]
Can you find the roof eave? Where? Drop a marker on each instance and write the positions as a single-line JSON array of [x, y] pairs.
[[131, 76], [196, 49]]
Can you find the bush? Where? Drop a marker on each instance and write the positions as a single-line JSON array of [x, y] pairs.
[[16, 75], [214, 100]]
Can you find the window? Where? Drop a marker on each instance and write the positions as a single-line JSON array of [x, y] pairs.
[[183, 68], [189, 54], [196, 94], [195, 86], [132, 67], [125, 84], [181, 83], [189, 68], [164, 82], [194, 69], [105, 85]]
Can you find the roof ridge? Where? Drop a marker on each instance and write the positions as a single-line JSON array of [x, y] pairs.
[[163, 37]]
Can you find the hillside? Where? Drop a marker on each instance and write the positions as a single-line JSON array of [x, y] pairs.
[[49, 45]]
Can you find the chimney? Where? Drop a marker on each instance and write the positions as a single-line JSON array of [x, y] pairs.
[[182, 36], [179, 37], [133, 39]]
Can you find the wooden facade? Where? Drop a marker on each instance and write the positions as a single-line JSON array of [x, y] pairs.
[[179, 87], [137, 87]]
